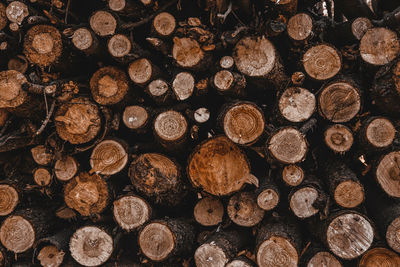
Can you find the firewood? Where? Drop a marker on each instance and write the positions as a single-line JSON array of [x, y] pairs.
[[66, 168], [208, 211], [131, 212], [159, 90], [379, 256], [339, 138], [170, 129], [360, 26], [316, 255], [243, 210], [42, 177], [18, 63], [377, 133], [187, 53], [119, 46], [42, 155], [387, 173], [296, 104], [322, 62], [103, 23], [3, 16], [292, 175], [229, 83], [142, 71], [300, 28], [226, 62], [16, 12], [109, 157], [183, 85], [11, 90], [268, 194], [136, 118], [51, 250], [85, 40], [288, 7], [241, 262], [9, 199], [164, 24]]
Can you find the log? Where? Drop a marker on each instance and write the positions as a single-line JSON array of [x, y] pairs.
[[109, 85], [9, 198], [243, 210], [226, 62], [85, 40], [91, 246], [296, 104], [166, 238], [241, 262], [183, 85], [387, 173], [87, 194], [157, 177], [159, 90], [208, 211], [218, 156], [268, 194], [16, 12], [42, 177], [292, 175], [339, 138], [142, 71], [300, 28], [170, 129], [136, 118], [377, 133], [42, 155], [119, 46], [11, 89], [360, 26], [316, 255], [50, 251], [103, 23], [379, 256], [188, 54], [229, 83], [242, 122], [164, 24], [109, 157], [66, 168]]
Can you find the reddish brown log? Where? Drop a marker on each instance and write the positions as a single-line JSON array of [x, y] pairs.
[[66, 168], [292, 175], [103, 23], [136, 118], [243, 210], [300, 28], [338, 138], [9, 199], [208, 211], [322, 62], [378, 257], [387, 173], [164, 24], [109, 157]]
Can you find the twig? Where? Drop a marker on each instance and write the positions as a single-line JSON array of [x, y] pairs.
[[66, 11], [47, 119]]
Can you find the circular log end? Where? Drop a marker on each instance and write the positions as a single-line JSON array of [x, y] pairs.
[[277, 251], [388, 174], [103, 23], [82, 39], [297, 104], [223, 80], [16, 11], [240, 263], [299, 27], [288, 146], [322, 62], [226, 62], [216, 156], [187, 52], [339, 102], [292, 175], [170, 126], [255, 57], [156, 241], [339, 138], [360, 26], [116, 5], [210, 254], [91, 246], [349, 235], [301, 202], [11, 92], [131, 212], [66, 168], [41, 155], [108, 157], [87, 194], [349, 194], [379, 257], [183, 85], [42, 177], [50, 256], [202, 115], [140, 71], [119, 45], [244, 123], [43, 45], [164, 24], [324, 258], [268, 199], [158, 87], [135, 117], [393, 234], [243, 209], [17, 234], [78, 121], [209, 211], [380, 132], [8, 199], [379, 46]]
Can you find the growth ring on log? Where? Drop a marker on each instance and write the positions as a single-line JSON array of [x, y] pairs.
[[119, 45], [82, 39], [17, 234], [277, 251], [207, 250], [339, 138], [301, 202], [322, 62], [349, 194], [164, 23], [108, 157], [16, 12], [219, 167], [140, 71], [243, 210], [41, 155], [379, 257], [380, 132], [11, 93], [288, 145], [170, 126], [268, 199], [187, 52], [65, 168], [42, 177], [297, 104], [156, 241], [388, 174], [300, 27], [393, 234], [292, 175], [103, 23], [131, 211], [208, 211], [324, 258], [8, 199]]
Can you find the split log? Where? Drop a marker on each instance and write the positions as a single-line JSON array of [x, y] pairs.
[[103, 23], [242, 122], [360, 26], [387, 173], [229, 83], [9, 199], [339, 101], [164, 24], [42, 177], [42, 155], [131, 212], [300, 28], [377, 133], [136, 118], [183, 85], [213, 157], [219, 249], [208, 211], [339, 138], [85, 40], [379, 256], [159, 90], [171, 129], [66, 168], [109, 85], [243, 210], [142, 71], [163, 239], [322, 62], [296, 104], [157, 177], [91, 246], [268, 194], [188, 54], [119, 46], [87, 194], [109, 157], [292, 175]]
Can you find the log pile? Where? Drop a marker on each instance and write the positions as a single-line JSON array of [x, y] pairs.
[[200, 133]]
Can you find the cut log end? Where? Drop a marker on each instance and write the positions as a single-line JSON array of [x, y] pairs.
[[17, 234], [170, 126], [349, 194], [288, 146], [140, 71], [11, 92], [135, 117], [301, 202], [66, 168], [379, 46], [50, 256], [42, 177], [380, 132], [201, 115], [339, 138], [131, 212], [268, 199], [297, 104], [156, 241], [224, 157], [324, 258], [339, 102], [158, 88], [255, 57], [187, 52], [360, 26], [299, 27], [87, 194], [43, 45], [116, 5], [243, 209], [16, 12], [226, 62], [82, 39], [91, 246], [183, 85], [393, 234], [388, 174], [243, 123], [164, 24], [41, 155], [209, 211], [103, 23], [378, 257], [208, 254], [223, 80], [119, 45], [349, 235], [322, 62], [277, 251], [240, 263], [8, 199], [292, 175], [108, 157]]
